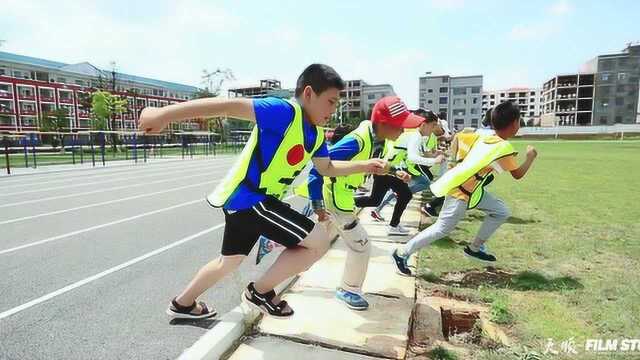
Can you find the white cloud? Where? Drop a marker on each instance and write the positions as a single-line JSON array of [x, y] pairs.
[[447, 4], [560, 8], [164, 46]]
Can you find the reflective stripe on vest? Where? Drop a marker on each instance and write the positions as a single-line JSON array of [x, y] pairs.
[[483, 150], [288, 161]]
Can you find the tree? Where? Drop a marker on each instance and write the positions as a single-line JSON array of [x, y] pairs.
[[104, 106], [56, 121], [212, 81]]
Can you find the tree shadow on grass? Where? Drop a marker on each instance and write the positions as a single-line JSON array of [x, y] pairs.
[[497, 278]]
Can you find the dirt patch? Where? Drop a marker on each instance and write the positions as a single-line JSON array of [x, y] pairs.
[[442, 322], [474, 278]]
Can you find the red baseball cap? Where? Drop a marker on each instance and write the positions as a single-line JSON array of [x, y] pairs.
[[393, 111]]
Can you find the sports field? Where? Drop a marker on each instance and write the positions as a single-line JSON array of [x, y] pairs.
[[569, 257]]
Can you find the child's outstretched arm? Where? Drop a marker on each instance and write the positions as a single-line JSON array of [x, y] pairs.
[[328, 167], [155, 119], [520, 172]]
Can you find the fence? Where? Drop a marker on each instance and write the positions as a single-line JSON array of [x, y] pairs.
[[28, 149], [619, 130]]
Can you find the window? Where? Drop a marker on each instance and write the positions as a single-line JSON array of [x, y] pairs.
[[474, 111], [459, 101], [475, 90], [512, 95], [443, 100], [445, 80], [62, 80], [3, 71], [622, 76], [618, 119], [606, 64], [80, 82], [501, 94], [371, 96], [604, 77], [533, 93], [459, 91], [531, 113], [620, 88], [492, 96], [430, 91], [442, 110], [7, 120], [459, 112], [444, 90], [429, 101], [603, 120], [532, 100], [492, 103], [619, 101], [474, 122], [459, 121]]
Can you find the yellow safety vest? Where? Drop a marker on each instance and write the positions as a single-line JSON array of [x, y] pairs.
[[340, 189], [475, 153], [288, 161], [398, 154]]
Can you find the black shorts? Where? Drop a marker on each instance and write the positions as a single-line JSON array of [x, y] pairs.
[[270, 218]]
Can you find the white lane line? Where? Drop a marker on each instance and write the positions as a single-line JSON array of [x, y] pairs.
[[95, 277], [101, 175], [10, 221], [58, 237], [124, 265], [100, 172], [108, 189], [80, 181]]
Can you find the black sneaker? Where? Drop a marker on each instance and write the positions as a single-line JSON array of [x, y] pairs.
[[401, 264], [478, 255], [429, 211], [264, 304]]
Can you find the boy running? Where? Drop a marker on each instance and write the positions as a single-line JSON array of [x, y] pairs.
[[286, 137], [463, 185], [336, 194]]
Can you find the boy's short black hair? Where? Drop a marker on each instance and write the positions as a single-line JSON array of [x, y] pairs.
[[504, 114], [429, 115], [320, 77]]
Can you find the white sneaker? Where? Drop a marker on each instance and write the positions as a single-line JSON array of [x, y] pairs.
[[397, 230]]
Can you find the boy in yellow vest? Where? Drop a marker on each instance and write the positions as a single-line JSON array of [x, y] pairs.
[[287, 135], [389, 117], [476, 157]]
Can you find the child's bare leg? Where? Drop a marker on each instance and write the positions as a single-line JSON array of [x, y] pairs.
[[295, 260], [208, 276]]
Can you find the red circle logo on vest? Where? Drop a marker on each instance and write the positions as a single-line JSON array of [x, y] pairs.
[[295, 154]]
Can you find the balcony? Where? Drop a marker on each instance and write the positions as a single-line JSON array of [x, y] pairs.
[[83, 114], [26, 96], [27, 111], [4, 94], [6, 109]]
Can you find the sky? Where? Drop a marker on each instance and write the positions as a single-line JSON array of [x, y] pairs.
[[512, 44]]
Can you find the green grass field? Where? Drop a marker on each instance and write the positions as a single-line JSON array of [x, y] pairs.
[[571, 248]]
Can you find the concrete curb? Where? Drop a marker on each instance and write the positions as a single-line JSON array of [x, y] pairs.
[[231, 327]]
